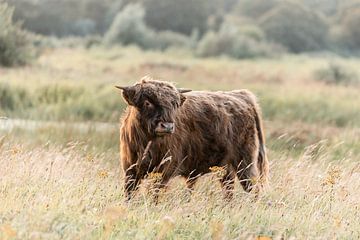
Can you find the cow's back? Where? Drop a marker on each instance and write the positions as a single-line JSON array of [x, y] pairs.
[[213, 126], [220, 111]]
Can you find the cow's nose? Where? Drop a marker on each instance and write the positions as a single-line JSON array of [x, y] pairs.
[[167, 126]]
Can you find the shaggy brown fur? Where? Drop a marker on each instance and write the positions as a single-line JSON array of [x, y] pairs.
[[211, 129]]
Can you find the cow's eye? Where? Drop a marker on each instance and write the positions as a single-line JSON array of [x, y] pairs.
[[147, 104]]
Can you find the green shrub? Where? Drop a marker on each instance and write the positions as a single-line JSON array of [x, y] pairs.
[[350, 28], [295, 27], [92, 40], [129, 28], [15, 47], [57, 94], [66, 17], [252, 31], [13, 99], [45, 42], [84, 27], [335, 73], [233, 41], [167, 39], [182, 16]]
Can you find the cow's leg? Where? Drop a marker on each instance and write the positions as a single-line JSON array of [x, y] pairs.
[[227, 183], [131, 182], [246, 169]]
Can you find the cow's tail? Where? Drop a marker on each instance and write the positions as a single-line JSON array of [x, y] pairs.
[[263, 163]]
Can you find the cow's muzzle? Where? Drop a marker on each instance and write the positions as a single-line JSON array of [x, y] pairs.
[[164, 128]]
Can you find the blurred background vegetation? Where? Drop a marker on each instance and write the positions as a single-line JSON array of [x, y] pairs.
[[236, 28]]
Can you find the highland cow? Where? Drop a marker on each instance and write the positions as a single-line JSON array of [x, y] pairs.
[[179, 132]]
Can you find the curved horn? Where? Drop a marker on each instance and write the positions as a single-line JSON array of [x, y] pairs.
[[120, 87], [184, 90]]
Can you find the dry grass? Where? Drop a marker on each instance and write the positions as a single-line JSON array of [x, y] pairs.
[[60, 181], [65, 193]]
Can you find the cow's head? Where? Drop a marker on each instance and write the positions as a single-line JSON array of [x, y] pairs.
[[156, 103]]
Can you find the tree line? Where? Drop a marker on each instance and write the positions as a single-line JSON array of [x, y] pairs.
[[237, 28]]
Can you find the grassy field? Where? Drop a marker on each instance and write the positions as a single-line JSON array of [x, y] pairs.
[[60, 177]]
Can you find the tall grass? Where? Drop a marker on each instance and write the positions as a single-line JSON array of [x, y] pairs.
[[61, 102], [310, 108], [102, 103], [15, 43], [57, 193], [81, 89]]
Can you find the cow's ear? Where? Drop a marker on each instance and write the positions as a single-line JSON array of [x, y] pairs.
[[128, 94], [182, 99]]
